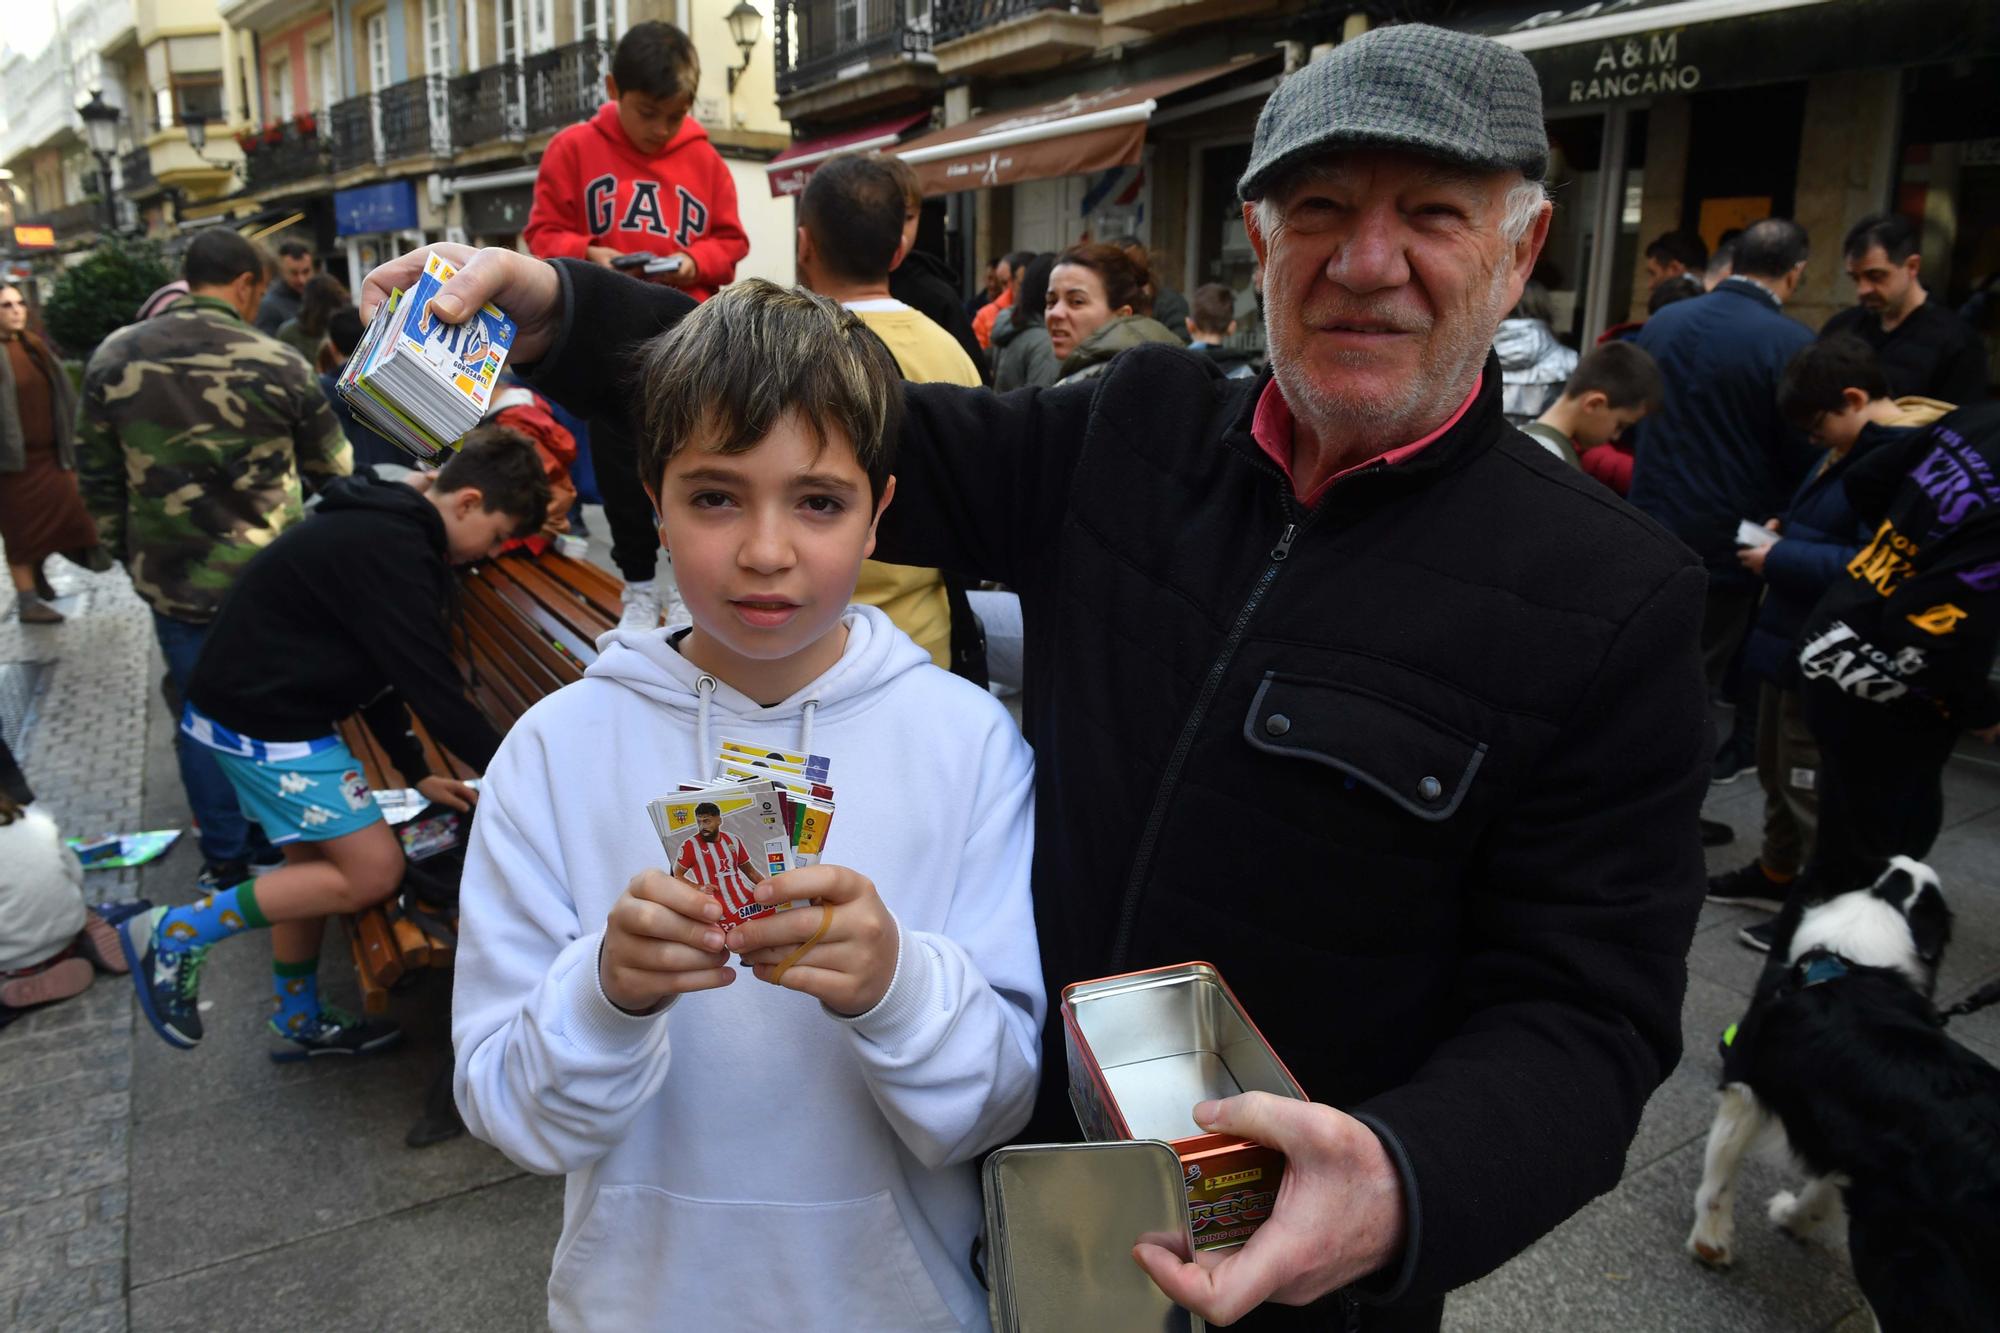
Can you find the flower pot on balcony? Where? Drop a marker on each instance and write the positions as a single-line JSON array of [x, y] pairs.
[[249, 141], [307, 123], [273, 135]]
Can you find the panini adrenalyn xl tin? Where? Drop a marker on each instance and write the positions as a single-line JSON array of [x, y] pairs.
[[1144, 1048]]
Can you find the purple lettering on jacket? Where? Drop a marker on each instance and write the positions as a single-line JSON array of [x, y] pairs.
[[1952, 485], [1981, 578]]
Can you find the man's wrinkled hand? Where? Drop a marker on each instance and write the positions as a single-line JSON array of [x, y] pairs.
[[525, 289], [1339, 1215]]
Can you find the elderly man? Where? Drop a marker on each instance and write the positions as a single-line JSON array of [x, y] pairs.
[[1345, 615]]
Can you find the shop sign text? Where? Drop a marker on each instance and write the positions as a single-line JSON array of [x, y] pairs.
[[1636, 67]]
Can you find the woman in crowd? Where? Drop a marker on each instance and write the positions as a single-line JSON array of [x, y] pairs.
[[306, 331], [1533, 365], [1022, 354], [51, 945], [1098, 305], [41, 511]]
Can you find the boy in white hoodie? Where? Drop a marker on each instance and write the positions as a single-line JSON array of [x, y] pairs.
[[784, 1146]]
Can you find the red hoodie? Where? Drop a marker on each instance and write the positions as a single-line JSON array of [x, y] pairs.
[[595, 188]]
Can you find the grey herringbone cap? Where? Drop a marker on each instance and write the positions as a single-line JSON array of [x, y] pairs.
[[1431, 90]]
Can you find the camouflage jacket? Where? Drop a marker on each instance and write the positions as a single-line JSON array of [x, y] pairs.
[[193, 432]]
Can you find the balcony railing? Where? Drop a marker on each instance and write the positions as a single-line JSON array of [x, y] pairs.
[[300, 154], [565, 85], [353, 131], [135, 169], [834, 34], [416, 118], [81, 216], [962, 18], [486, 105]]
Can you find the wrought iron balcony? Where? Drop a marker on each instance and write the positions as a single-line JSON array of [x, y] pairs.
[[565, 85], [135, 169], [486, 105], [833, 34], [85, 215], [354, 132], [962, 18], [300, 154], [416, 118]]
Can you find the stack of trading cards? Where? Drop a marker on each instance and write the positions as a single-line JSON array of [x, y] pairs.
[[419, 381], [763, 813]]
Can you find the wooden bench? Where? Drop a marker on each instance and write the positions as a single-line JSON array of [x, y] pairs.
[[530, 625]]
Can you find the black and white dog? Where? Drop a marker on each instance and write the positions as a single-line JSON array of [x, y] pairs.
[[1842, 1048]]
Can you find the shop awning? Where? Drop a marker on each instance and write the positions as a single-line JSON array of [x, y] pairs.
[[1083, 132], [789, 171], [1541, 26]]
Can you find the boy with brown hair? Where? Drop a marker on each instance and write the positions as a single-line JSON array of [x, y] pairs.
[[599, 1025]]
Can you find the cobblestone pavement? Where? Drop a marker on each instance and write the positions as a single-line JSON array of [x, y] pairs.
[[65, 1072], [311, 1206]]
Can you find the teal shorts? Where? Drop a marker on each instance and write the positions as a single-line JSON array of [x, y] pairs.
[[310, 791]]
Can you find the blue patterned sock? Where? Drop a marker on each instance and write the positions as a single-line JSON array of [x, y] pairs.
[[297, 987], [214, 918]]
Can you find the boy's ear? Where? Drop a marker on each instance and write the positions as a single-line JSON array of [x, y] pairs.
[[881, 507], [1193, 332], [1852, 400], [1231, 329], [1594, 400], [610, 88]]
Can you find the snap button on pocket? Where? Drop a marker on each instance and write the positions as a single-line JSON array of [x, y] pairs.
[[1277, 724], [1430, 789]]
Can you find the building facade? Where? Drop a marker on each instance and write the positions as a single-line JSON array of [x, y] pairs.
[[370, 126]]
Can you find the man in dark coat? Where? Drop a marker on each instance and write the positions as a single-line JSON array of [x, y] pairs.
[[1441, 687], [1925, 348], [1718, 452]]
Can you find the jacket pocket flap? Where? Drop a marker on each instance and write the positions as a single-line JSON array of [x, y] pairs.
[[1418, 762]]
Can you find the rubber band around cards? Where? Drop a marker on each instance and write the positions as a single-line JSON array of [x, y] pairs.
[[825, 920]]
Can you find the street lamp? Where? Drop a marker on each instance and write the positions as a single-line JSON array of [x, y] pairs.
[[100, 129], [746, 25]]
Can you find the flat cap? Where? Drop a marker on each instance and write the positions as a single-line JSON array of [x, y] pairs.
[[1430, 90]]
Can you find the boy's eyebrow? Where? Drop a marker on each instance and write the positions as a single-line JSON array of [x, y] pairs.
[[823, 481]]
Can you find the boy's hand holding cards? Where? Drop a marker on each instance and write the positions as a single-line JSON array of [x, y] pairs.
[[664, 938], [853, 939]]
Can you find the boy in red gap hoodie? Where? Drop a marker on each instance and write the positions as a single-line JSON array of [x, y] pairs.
[[640, 176]]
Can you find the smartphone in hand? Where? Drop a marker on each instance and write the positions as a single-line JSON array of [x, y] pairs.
[[659, 266], [639, 260]]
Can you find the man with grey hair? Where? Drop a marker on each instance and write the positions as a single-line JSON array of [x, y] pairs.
[[1344, 620]]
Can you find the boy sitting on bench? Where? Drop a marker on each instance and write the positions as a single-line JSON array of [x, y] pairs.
[[344, 613]]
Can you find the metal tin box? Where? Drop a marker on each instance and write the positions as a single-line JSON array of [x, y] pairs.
[[1061, 1220], [1143, 1049]]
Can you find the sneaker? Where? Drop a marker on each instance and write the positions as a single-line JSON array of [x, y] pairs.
[[32, 610], [337, 1033], [46, 984], [641, 609], [216, 876], [676, 611], [168, 980], [1715, 833], [1759, 937], [1730, 763], [1747, 886]]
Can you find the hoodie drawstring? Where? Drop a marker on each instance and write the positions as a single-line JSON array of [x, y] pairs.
[[806, 715], [704, 689]]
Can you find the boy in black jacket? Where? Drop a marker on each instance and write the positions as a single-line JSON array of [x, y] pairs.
[[343, 613], [1895, 656]]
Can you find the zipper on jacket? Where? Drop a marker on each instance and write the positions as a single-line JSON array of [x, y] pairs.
[[1142, 859]]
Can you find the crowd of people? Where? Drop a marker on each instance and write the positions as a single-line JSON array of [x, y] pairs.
[[1365, 595]]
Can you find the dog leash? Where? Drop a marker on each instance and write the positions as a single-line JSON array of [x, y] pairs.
[[1986, 995]]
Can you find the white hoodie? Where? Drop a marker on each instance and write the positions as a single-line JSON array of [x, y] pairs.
[[748, 1160]]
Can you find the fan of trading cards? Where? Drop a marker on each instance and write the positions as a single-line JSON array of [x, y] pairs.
[[764, 812], [419, 381]]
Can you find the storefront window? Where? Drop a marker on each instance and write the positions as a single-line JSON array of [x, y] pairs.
[[1222, 243]]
